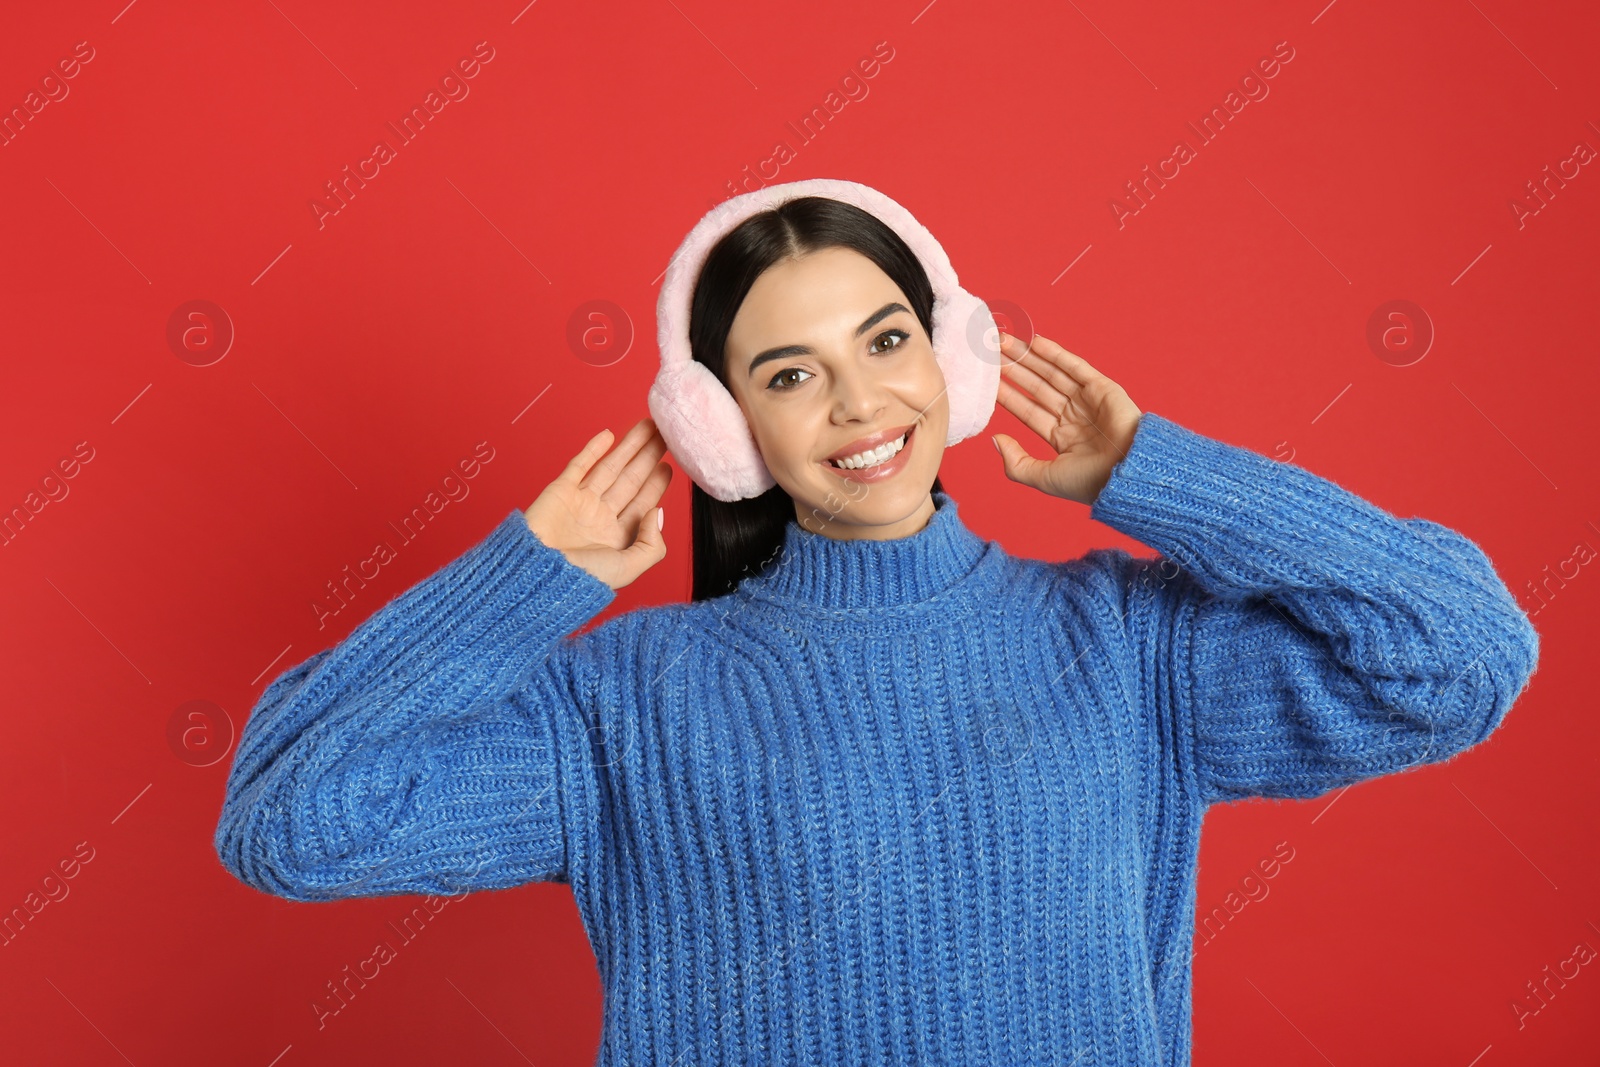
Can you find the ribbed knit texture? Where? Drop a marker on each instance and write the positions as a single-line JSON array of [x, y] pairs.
[[889, 802]]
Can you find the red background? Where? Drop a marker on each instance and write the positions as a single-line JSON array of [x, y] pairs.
[[374, 351]]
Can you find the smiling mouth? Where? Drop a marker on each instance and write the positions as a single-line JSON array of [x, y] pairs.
[[873, 457]]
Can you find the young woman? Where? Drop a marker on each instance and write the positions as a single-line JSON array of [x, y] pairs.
[[881, 792]]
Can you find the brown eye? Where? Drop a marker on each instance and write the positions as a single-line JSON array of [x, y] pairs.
[[900, 336], [781, 376]]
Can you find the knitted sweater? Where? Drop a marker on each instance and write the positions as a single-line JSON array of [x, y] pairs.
[[888, 802]]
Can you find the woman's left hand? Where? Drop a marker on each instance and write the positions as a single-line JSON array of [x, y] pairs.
[[1084, 416]]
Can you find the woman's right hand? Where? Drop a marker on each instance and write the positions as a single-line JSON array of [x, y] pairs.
[[602, 516]]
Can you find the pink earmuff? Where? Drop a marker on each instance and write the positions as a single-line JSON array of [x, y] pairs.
[[698, 418]]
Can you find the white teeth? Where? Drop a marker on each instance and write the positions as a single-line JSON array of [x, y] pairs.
[[881, 454]]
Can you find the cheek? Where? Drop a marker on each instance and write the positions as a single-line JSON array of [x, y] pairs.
[[786, 433], [930, 385]]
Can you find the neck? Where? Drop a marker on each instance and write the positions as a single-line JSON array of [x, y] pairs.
[[812, 569], [813, 521]]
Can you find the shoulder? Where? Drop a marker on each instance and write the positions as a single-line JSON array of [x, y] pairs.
[[647, 632], [647, 622], [1107, 590], [1106, 574]]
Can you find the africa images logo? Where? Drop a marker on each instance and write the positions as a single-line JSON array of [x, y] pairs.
[[455, 89]]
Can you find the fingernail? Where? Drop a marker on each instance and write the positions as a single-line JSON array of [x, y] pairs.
[[996, 442], [661, 518]]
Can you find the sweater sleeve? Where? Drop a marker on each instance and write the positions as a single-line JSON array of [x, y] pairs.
[[433, 749], [1310, 639]]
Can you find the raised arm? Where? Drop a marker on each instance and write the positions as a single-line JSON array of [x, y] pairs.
[[1292, 637], [1313, 639], [444, 745], [433, 750]]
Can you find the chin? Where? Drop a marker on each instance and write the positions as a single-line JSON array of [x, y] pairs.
[[866, 504]]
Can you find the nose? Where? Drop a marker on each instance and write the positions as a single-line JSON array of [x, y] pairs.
[[858, 395]]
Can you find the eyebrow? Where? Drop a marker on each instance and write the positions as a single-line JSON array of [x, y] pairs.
[[786, 351]]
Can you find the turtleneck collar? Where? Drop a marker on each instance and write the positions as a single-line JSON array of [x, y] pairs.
[[824, 572]]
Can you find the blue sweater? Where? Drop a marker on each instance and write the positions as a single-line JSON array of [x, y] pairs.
[[899, 801]]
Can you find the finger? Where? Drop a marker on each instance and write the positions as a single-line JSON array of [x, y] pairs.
[[650, 546], [1019, 466], [1081, 370], [649, 495], [1083, 398], [1029, 358], [637, 469], [1073, 406], [1045, 393], [1027, 410], [603, 475], [578, 466]]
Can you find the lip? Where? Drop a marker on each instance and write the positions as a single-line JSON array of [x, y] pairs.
[[882, 471], [868, 443]]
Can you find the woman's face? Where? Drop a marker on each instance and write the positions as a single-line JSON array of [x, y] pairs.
[[827, 360]]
